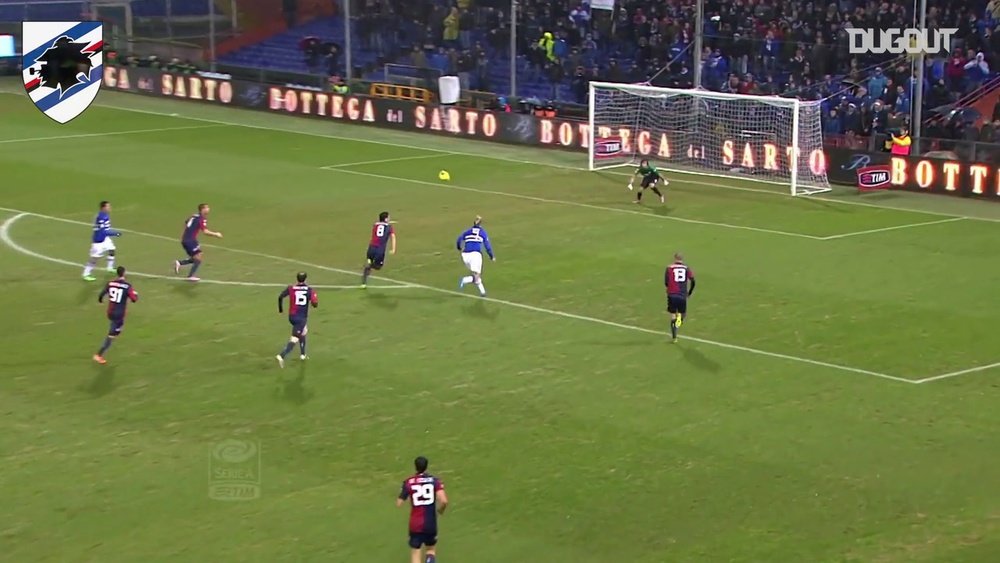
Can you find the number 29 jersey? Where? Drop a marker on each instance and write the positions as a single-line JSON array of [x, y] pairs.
[[421, 490]]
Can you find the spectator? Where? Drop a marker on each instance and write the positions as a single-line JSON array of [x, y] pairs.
[[466, 23], [878, 83], [548, 44], [451, 27], [901, 143]]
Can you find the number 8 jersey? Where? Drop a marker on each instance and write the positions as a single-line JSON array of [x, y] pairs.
[[421, 490]]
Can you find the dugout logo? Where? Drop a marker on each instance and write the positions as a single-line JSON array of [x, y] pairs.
[[234, 470], [63, 66]]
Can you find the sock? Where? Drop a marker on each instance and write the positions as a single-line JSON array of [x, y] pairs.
[[105, 346], [288, 348], [482, 288], [430, 559], [185, 262], [638, 196], [673, 328], [194, 268], [111, 262], [302, 345], [365, 274], [657, 191], [89, 267], [468, 279]]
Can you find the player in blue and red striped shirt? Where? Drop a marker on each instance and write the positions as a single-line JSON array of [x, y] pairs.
[[383, 234], [300, 298], [679, 281], [194, 226], [119, 292], [427, 500]]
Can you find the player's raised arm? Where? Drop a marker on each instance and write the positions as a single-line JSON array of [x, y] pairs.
[[281, 300], [404, 494], [442, 500], [486, 244]]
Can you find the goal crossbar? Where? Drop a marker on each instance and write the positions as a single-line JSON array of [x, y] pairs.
[[760, 138]]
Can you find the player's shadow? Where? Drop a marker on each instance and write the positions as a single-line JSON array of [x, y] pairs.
[[480, 309], [87, 293], [699, 361], [294, 389], [103, 383], [382, 300], [663, 210], [186, 288]]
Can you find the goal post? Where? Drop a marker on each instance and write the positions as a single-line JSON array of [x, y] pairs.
[[760, 138]]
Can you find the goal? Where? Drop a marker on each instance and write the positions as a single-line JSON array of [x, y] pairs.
[[761, 138]]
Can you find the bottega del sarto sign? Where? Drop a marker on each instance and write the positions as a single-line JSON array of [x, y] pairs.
[[746, 155], [945, 175], [184, 86], [459, 121]]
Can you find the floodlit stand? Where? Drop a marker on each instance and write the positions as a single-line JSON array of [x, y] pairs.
[[759, 138]]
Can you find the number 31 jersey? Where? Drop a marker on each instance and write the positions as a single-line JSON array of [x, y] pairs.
[[421, 490]]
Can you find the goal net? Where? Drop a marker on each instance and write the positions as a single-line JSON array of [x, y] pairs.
[[763, 138]]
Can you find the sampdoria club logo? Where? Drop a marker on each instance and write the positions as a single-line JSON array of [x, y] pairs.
[[63, 65]]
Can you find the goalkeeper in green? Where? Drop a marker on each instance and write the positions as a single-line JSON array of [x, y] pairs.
[[650, 180]]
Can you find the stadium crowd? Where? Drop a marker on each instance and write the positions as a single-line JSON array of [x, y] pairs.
[[772, 47]]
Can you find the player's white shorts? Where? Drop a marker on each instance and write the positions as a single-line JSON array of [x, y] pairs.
[[473, 261], [99, 249]]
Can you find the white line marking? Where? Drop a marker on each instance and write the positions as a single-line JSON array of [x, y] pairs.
[[895, 228], [957, 373], [451, 186], [384, 160], [7, 240], [552, 312], [109, 133], [693, 182]]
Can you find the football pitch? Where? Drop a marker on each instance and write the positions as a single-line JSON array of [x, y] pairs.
[[833, 396]]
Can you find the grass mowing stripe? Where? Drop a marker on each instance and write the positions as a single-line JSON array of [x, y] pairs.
[[8, 240], [450, 186], [486, 155], [553, 312], [110, 133]]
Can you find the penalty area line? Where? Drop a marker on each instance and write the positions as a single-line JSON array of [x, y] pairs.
[[895, 228], [952, 374], [386, 160], [4, 237], [9, 242]]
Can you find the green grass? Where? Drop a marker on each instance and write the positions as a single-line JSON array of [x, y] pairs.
[[565, 428]]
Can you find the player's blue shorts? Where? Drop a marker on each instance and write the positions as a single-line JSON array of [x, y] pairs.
[[677, 304], [191, 247], [298, 325], [376, 257], [421, 539], [116, 324]]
